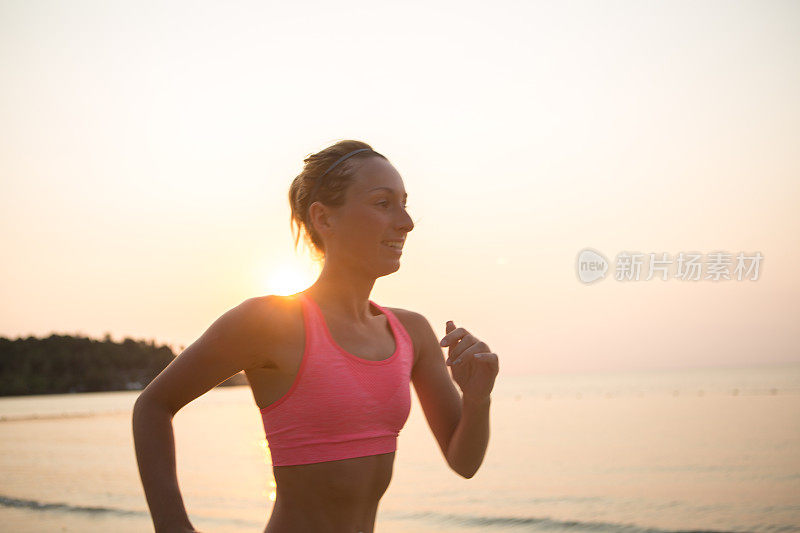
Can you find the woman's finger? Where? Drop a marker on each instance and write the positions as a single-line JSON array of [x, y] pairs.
[[468, 345], [467, 342], [453, 333], [476, 348], [486, 357]]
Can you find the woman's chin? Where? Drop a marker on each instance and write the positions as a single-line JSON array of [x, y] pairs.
[[394, 266]]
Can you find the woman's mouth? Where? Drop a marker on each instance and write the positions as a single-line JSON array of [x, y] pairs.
[[396, 246]]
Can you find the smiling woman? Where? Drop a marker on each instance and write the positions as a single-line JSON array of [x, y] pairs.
[[315, 188], [330, 369]]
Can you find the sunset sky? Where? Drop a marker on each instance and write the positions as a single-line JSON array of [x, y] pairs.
[[147, 151]]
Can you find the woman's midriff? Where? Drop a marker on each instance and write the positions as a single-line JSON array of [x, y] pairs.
[[334, 496]]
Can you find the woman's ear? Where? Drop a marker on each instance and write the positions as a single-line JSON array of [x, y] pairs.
[[320, 217]]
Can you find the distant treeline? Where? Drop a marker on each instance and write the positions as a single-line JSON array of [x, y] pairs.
[[62, 364]]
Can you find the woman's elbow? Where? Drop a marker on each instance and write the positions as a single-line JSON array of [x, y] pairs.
[[466, 473]]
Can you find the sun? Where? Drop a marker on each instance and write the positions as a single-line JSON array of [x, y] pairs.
[[286, 279]]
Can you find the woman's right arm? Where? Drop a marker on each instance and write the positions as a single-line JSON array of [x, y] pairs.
[[234, 342]]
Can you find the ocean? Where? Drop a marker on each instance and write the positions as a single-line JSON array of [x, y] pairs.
[[659, 451]]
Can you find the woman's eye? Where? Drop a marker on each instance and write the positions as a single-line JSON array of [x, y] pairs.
[[386, 203]]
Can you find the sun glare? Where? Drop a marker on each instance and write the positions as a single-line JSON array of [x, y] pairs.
[[287, 279]]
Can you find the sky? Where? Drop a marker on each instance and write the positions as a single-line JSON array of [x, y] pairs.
[[147, 148]]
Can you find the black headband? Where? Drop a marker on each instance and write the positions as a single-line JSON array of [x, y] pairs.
[[319, 180]]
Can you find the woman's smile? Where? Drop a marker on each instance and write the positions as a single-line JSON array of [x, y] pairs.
[[395, 246]]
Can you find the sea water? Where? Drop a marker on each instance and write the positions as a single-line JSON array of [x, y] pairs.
[[679, 450]]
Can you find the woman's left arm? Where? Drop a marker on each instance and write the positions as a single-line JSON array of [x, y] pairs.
[[460, 424], [474, 368]]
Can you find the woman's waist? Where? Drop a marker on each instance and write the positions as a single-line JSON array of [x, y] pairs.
[[357, 482], [289, 517]]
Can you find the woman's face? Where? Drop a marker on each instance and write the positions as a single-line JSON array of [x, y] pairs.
[[373, 213]]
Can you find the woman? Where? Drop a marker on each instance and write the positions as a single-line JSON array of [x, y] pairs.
[[329, 368]]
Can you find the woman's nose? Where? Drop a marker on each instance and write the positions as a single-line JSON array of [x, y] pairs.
[[406, 223]]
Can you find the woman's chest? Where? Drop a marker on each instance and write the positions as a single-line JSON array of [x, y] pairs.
[[284, 353]]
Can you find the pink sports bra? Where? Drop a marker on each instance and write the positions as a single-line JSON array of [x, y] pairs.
[[340, 405]]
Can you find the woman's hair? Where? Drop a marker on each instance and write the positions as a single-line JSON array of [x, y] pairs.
[[331, 191]]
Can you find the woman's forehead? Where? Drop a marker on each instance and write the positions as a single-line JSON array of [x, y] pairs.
[[372, 177]]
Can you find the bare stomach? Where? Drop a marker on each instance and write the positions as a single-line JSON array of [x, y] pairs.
[[330, 497]]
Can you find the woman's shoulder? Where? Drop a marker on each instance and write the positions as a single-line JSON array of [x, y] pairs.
[[406, 315], [415, 324], [275, 303], [270, 314], [265, 323], [419, 329]]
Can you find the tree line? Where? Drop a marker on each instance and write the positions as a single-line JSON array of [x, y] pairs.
[[63, 363]]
